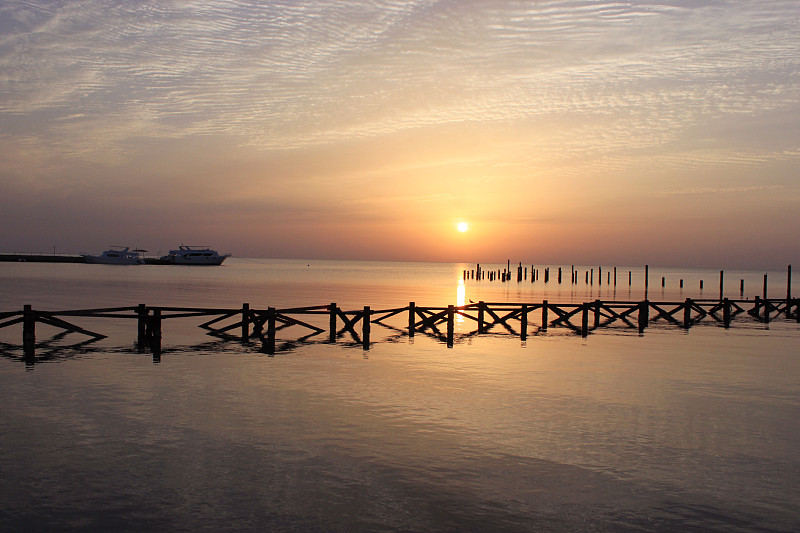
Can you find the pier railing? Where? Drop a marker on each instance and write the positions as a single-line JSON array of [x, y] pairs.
[[520, 319]]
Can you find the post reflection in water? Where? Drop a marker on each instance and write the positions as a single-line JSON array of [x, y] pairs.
[[461, 299]]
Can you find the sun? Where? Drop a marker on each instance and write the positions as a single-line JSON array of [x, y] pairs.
[[462, 227]]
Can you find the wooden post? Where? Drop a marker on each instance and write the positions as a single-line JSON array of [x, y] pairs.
[[547, 274], [687, 313], [615, 276], [155, 332], [451, 314], [701, 284], [545, 320], [141, 322], [559, 275], [789, 291], [591, 277], [741, 288], [480, 316], [681, 284], [333, 312], [765, 286], [270, 347], [596, 314], [766, 301], [629, 278], [721, 283], [28, 332], [412, 313], [584, 319], [663, 281], [646, 280], [365, 326], [726, 312], [599, 275], [523, 322], [644, 314], [245, 322]]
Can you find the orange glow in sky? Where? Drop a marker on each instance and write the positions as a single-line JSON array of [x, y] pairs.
[[618, 132]]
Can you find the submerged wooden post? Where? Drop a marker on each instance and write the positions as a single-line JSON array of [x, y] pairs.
[[270, 346], [615, 276], [596, 313], [245, 322], [365, 326], [333, 311], [154, 335], [789, 291], [523, 322], [28, 331], [766, 301], [644, 314], [726, 312], [646, 279], [741, 288], [544, 316], [559, 275], [412, 312], [451, 314], [141, 337], [721, 283], [480, 316], [687, 313], [584, 319]]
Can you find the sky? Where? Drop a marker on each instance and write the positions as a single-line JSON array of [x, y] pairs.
[[664, 132]]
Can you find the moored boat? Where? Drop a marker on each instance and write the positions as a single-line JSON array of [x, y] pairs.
[[194, 255], [116, 255]]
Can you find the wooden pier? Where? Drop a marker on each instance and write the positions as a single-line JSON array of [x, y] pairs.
[[266, 326]]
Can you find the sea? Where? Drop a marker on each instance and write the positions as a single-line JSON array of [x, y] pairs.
[[664, 430]]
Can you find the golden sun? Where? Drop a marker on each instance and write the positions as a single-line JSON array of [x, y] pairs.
[[462, 227]]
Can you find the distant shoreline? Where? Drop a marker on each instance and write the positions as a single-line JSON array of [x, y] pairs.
[[49, 258]]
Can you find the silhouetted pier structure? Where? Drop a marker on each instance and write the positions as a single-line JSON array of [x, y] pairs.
[[520, 319]]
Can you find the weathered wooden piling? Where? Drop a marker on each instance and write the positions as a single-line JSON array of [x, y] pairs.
[[630, 278], [545, 320], [615, 276], [481, 316], [270, 340], [701, 284], [765, 286], [412, 313], [28, 331], [681, 284], [523, 322], [332, 321], [644, 315], [663, 281], [597, 306], [559, 275], [646, 279], [789, 291], [584, 320], [245, 322], [154, 332], [450, 325], [721, 283], [141, 322], [687, 313], [726, 312], [365, 326]]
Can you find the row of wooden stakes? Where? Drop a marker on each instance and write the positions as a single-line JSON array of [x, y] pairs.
[[438, 322]]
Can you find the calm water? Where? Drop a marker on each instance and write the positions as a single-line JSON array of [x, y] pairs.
[[671, 430]]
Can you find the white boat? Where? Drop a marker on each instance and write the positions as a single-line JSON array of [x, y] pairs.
[[116, 255], [194, 255]]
